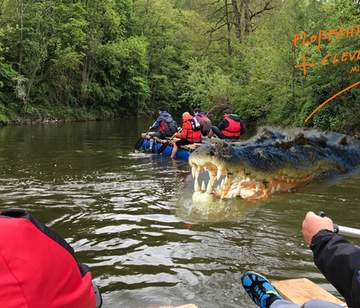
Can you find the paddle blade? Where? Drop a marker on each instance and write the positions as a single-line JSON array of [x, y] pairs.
[[139, 144], [163, 147]]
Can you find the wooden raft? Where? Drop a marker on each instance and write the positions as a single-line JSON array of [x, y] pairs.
[[298, 291], [191, 147], [302, 290]]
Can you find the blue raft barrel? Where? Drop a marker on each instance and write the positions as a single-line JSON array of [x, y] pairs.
[[183, 153]]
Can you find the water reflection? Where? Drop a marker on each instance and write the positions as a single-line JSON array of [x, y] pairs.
[[130, 216]]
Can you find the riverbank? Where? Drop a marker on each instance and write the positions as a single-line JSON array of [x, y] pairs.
[[62, 113], [43, 114]]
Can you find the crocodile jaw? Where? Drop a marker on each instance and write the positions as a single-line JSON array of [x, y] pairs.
[[225, 184]]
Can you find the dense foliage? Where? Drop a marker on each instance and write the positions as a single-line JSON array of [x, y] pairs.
[[65, 57], [104, 58]]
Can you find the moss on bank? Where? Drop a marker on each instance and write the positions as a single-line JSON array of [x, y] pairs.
[[32, 114]]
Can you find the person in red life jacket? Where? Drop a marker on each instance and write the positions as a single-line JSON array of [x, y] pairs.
[[190, 132], [204, 121], [229, 127], [38, 268], [164, 125]]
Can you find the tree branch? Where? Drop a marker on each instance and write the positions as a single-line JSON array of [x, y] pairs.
[[267, 7], [212, 30], [216, 11]]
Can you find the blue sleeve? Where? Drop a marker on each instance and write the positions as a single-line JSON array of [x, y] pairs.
[[157, 122]]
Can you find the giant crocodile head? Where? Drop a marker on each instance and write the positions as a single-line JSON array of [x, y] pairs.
[[273, 161]]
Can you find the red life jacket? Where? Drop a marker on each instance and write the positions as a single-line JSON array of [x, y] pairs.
[[168, 128], [192, 135], [38, 268], [188, 132], [234, 128], [162, 126]]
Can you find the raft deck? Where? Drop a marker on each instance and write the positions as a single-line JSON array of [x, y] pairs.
[[182, 153], [302, 290], [190, 147], [297, 291]]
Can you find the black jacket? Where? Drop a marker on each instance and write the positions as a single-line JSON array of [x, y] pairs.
[[339, 261]]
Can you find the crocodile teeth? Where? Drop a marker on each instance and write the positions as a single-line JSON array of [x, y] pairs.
[[233, 191], [209, 188], [218, 175], [196, 185], [203, 186], [193, 171], [197, 172], [210, 185]]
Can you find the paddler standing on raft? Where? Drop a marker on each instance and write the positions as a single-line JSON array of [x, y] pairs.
[[190, 132]]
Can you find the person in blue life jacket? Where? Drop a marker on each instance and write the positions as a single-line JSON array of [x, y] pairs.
[[336, 258], [204, 121], [164, 126], [228, 128]]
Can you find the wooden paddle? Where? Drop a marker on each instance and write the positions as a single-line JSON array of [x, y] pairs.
[[139, 144], [166, 143], [140, 141]]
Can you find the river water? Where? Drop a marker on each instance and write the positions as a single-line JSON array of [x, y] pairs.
[[129, 216]]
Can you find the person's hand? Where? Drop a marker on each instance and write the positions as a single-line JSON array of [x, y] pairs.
[[313, 223]]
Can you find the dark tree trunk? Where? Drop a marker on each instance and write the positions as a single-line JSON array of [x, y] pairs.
[[237, 19], [228, 26], [247, 17]]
